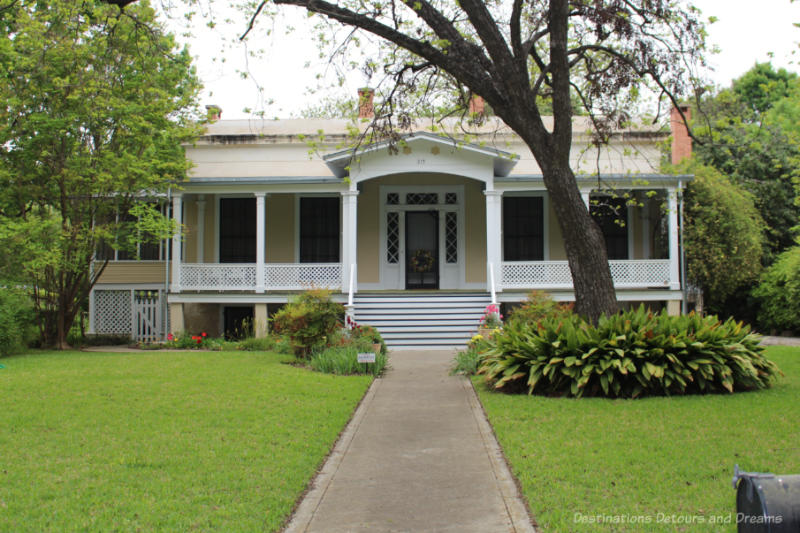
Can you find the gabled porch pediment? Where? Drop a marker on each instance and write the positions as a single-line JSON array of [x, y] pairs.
[[422, 152]]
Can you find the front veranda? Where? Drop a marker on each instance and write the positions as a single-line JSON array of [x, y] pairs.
[[451, 221]]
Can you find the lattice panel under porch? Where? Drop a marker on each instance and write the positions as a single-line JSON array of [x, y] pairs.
[[112, 312]]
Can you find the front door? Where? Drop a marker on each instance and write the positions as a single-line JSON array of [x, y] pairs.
[[422, 250]]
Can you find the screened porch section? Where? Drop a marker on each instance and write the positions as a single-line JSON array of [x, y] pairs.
[[240, 259]]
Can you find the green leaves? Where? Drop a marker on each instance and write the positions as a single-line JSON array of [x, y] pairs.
[[629, 355], [96, 107]]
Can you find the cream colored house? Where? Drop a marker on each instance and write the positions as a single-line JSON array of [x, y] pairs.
[[417, 239]]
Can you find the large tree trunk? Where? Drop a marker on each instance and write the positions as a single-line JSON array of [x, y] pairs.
[[585, 247]]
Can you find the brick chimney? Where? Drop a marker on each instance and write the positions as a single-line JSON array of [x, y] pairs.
[[213, 112], [681, 142], [476, 105], [366, 108]]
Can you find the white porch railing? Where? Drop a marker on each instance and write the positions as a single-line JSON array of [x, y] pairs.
[[242, 277], [299, 276], [556, 275], [218, 276]]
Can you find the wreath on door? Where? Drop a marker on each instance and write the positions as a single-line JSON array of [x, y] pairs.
[[421, 261]]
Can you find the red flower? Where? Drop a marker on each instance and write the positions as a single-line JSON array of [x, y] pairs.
[[199, 341], [204, 334], [170, 337]]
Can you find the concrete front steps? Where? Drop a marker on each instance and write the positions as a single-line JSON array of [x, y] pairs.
[[437, 320]]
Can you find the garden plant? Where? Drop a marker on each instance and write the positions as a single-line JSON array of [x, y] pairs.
[[628, 355]]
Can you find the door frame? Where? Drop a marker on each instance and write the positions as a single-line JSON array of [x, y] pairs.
[[393, 276]]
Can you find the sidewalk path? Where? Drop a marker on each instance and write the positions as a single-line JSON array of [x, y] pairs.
[[418, 456]]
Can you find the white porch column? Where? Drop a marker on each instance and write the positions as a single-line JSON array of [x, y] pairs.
[[177, 216], [494, 221], [349, 237], [260, 221], [201, 229], [674, 252]]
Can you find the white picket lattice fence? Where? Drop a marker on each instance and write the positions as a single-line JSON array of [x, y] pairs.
[[112, 312], [556, 274], [148, 311], [218, 277], [299, 276], [277, 276], [140, 314]]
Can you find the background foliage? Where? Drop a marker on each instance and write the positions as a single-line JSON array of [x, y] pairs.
[[97, 103], [779, 293], [723, 237]]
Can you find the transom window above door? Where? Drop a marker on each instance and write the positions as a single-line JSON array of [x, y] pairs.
[[422, 198]]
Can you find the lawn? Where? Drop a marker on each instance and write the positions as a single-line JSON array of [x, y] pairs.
[[159, 441], [657, 464]]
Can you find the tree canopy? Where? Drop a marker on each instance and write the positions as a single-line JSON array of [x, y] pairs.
[[724, 236], [751, 133], [525, 59], [97, 104]]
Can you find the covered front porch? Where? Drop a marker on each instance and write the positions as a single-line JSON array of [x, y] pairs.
[[454, 235]]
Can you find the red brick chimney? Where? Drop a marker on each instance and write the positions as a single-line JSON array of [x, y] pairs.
[[476, 105], [681, 142], [213, 112], [366, 108]]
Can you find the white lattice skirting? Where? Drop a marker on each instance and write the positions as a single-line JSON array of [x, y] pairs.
[[112, 312], [556, 274], [277, 276]]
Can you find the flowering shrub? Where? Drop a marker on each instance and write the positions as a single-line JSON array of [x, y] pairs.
[[364, 332], [186, 342], [491, 319], [537, 307], [308, 320], [468, 361]]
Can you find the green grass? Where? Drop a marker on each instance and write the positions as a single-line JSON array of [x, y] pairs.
[[652, 459], [160, 441]]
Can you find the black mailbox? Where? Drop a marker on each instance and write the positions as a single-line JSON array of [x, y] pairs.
[[767, 503]]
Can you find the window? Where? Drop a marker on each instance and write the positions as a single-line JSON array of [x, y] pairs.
[[392, 237], [451, 237], [319, 230], [611, 214], [145, 251], [237, 230], [523, 228]]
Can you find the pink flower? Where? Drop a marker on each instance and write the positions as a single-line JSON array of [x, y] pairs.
[[170, 337]]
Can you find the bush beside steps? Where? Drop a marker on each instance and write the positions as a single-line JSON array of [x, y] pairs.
[[629, 355]]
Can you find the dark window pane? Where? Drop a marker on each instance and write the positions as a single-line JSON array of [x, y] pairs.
[[237, 230], [523, 228], [422, 198], [104, 251], [319, 230], [611, 214], [149, 251]]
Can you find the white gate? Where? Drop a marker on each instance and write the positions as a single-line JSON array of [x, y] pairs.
[[147, 316]]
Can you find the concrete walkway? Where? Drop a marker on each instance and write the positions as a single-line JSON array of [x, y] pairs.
[[418, 456]]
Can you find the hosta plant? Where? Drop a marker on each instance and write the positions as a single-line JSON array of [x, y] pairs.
[[629, 355]]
